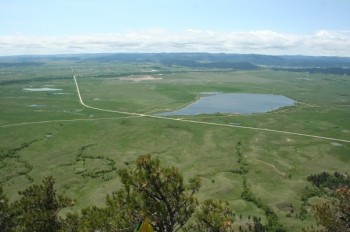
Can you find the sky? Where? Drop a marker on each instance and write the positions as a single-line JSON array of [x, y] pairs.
[[275, 27]]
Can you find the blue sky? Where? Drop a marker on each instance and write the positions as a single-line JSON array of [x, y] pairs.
[[233, 26]]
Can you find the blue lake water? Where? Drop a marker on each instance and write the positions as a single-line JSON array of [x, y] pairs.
[[234, 103]]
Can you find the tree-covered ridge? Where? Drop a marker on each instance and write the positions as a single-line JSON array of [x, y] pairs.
[[328, 70], [297, 61], [218, 65]]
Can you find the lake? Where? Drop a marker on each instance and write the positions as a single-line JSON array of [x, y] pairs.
[[233, 103]]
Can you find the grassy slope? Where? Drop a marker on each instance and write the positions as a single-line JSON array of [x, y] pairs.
[[79, 153]]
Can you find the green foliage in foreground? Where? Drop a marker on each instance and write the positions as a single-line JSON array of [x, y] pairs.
[[331, 215], [153, 197], [334, 215], [37, 210], [213, 215], [7, 216], [39, 207], [151, 193], [163, 197]]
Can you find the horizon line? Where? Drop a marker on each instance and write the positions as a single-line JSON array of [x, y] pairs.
[[166, 52]]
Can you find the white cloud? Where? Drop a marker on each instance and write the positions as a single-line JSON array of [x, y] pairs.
[[325, 43]]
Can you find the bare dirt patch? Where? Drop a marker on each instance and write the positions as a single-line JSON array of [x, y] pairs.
[[140, 78]]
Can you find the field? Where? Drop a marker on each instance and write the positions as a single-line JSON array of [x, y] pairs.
[[51, 133]]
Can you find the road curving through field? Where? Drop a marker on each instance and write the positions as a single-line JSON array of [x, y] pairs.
[[204, 123]]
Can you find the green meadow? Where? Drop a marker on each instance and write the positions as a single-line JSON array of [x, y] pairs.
[[50, 133]]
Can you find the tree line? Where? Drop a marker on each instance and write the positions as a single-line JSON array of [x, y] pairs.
[[324, 179]]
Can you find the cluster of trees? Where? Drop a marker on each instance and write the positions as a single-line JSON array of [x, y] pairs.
[[36, 210], [333, 182], [333, 215]]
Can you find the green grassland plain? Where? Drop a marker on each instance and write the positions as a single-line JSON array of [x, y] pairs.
[[83, 148]]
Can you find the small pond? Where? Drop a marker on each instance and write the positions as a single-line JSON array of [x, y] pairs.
[[45, 89], [37, 105], [233, 103]]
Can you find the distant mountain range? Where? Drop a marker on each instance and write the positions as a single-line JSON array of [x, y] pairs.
[[313, 64]]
